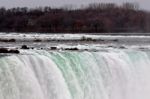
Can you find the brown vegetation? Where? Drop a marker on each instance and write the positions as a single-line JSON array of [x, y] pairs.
[[95, 18]]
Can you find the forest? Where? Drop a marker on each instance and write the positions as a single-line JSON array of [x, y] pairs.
[[94, 18]]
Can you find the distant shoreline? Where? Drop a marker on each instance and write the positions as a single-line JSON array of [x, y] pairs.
[[113, 34], [95, 18]]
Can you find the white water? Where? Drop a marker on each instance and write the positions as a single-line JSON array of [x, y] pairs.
[[111, 74]]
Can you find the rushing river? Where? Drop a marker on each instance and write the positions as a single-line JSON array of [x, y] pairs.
[[75, 66], [107, 74]]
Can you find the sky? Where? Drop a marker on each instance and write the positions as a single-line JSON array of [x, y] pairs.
[[144, 4]]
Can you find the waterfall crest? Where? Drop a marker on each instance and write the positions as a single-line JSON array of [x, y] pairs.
[[112, 74]]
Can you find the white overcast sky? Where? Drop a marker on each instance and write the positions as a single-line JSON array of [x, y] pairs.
[[145, 4]]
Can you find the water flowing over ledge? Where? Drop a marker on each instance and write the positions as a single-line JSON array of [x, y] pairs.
[[67, 66], [110, 74]]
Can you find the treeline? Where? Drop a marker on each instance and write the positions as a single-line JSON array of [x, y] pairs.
[[94, 18]]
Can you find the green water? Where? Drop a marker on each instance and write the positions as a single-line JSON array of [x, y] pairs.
[[110, 74]]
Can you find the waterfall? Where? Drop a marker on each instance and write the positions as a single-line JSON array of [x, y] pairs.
[[110, 74]]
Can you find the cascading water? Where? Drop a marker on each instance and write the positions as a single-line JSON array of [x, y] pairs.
[[110, 74]]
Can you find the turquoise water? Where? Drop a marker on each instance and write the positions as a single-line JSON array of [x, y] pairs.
[[110, 74]]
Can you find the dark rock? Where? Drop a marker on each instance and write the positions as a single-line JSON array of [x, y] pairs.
[[122, 47], [110, 46], [32, 47], [6, 50], [72, 49], [87, 39], [3, 50], [141, 48], [14, 51], [7, 40], [37, 40], [101, 40], [24, 47], [115, 40], [11, 40], [53, 48]]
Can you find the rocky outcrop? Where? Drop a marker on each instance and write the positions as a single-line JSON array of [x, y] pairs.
[[24, 47], [73, 49], [7, 50]]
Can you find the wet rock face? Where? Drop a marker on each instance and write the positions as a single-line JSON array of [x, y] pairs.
[[122, 47], [24, 47], [6, 50], [53, 48], [14, 51], [7, 40], [73, 49]]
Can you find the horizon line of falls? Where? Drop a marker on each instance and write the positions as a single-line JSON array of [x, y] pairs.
[[114, 74]]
